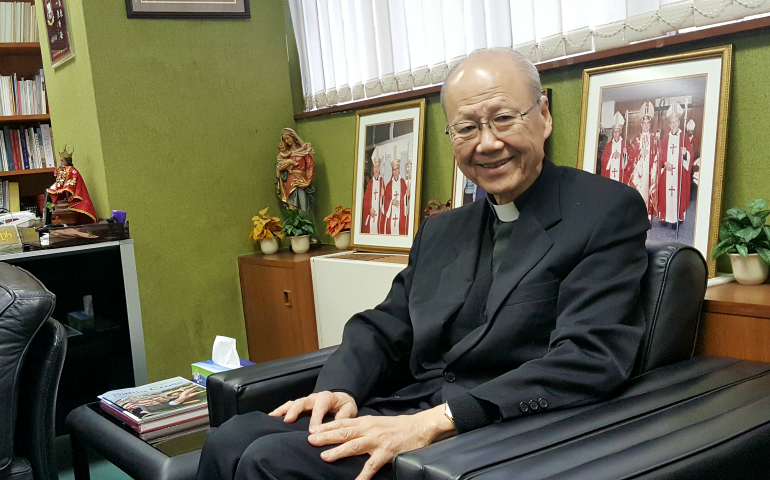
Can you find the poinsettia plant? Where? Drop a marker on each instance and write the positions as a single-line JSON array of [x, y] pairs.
[[435, 207], [338, 221], [265, 226]]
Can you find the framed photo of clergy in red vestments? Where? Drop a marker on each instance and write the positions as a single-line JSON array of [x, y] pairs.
[[660, 126], [388, 171]]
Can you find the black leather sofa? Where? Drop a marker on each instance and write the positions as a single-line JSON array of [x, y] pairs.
[[679, 417], [32, 349]]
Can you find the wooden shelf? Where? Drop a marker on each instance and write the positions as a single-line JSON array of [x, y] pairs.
[[6, 119], [20, 48], [24, 173]]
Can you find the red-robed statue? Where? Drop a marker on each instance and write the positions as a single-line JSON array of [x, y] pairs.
[[294, 172], [69, 192]]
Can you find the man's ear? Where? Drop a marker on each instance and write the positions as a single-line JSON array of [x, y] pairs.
[[546, 113]]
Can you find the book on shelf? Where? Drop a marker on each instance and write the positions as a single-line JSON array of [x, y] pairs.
[[26, 148], [157, 405], [23, 96], [18, 22]]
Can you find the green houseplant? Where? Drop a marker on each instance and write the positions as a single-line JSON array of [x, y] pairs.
[[744, 235], [298, 227]]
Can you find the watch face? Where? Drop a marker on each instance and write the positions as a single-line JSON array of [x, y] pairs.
[[448, 412]]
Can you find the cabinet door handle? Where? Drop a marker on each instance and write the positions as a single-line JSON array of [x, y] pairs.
[[287, 298]]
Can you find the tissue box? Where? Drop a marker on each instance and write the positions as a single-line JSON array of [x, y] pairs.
[[201, 370]]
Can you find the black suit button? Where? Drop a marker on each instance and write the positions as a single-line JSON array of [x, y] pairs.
[[523, 407], [449, 377], [533, 405], [543, 402]]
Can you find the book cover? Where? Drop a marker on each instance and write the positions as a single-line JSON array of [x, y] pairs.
[[24, 148], [45, 129], [159, 399], [168, 433], [14, 205], [2, 152], [8, 148], [16, 150], [200, 415]]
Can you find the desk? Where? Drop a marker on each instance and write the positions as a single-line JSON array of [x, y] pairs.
[[735, 322], [112, 355]]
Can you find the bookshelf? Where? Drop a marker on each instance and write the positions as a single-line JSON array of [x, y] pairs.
[[25, 60]]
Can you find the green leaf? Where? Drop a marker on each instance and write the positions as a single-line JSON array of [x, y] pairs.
[[766, 229], [765, 254], [757, 204], [749, 233], [742, 249], [737, 213], [755, 220], [762, 213]]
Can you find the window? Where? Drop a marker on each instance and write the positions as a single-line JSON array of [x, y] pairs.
[[355, 49]]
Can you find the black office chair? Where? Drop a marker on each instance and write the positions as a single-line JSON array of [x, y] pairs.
[[32, 349], [668, 420]]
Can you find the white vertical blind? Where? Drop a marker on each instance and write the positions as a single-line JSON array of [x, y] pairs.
[[353, 49]]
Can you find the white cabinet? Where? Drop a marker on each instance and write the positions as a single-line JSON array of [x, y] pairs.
[[347, 283]]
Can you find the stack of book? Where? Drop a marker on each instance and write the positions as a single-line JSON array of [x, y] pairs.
[[161, 410]]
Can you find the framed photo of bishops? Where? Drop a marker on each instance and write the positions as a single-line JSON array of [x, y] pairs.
[[660, 126], [388, 171]]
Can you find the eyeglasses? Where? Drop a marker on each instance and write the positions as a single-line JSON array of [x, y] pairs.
[[501, 123]]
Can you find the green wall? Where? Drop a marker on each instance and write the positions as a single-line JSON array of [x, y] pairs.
[[188, 114], [746, 164], [73, 105]]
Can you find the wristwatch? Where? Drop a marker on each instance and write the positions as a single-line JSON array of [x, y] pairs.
[[448, 413]]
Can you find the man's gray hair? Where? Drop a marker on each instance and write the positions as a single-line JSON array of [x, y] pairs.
[[527, 68]]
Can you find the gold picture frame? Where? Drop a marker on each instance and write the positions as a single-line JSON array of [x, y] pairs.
[[388, 139], [677, 107]]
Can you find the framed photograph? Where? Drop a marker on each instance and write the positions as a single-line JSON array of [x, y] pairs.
[[660, 126], [465, 191], [58, 30], [386, 182], [188, 9]]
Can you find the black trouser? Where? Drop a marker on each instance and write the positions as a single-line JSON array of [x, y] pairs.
[[256, 446]]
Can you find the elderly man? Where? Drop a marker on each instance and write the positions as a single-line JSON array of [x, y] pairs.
[[523, 303], [643, 158], [374, 203], [614, 156], [396, 193], [674, 157]]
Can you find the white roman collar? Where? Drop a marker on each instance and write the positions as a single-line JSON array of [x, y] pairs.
[[507, 212]]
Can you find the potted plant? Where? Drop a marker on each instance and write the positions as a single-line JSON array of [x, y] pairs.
[[267, 230], [744, 235], [298, 227], [338, 227]]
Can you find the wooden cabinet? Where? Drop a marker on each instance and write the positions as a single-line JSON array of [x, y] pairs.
[[277, 293], [735, 322]]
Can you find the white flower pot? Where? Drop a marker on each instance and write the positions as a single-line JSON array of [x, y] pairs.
[[269, 245], [300, 244], [750, 270], [342, 240]]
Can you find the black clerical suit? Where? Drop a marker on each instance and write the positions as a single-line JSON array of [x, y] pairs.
[[555, 323]]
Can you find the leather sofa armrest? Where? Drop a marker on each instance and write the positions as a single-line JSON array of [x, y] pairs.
[[264, 386]]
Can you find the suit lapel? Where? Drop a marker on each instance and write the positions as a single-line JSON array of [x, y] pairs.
[[455, 281], [529, 244]]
